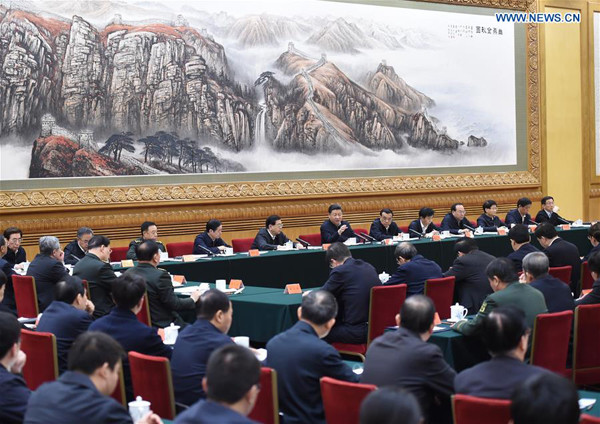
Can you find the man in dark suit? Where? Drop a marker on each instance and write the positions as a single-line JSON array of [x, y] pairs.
[[350, 281], [15, 392], [162, 300], [505, 335], [335, 228], [76, 250], [593, 237], [301, 358], [424, 225], [195, 344], [231, 385], [455, 220], [67, 317], [471, 285], [384, 227], [15, 254], [122, 324], [547, 213], [488, 220], [403, 358], [594, 296], [96, 270], [520, 241], [413, 269], [8, 303], [210, 239], [149, 232], [560, 252], [520, 215], [556, 293], [271, 237], [47, 269]]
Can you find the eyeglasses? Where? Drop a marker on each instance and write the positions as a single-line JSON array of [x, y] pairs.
[[16, 240]]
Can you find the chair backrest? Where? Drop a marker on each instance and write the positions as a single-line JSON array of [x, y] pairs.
[[86, 286], [586, 345], [118, 254], [180, 249], [42, 358], [474, 410], [341, 400], [25, 296], [360, 231], [119, 393], [550, 342], [563, 273], [143, 315], [441, 292], [314, 239], [586, 276], [385, 304], [241, 244], [589, 419], [266, 408], [403, 228], [151, 379]]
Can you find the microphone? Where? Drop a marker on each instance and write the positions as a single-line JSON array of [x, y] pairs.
[[208, 251], [364, 239], [368, 236], [418, 234], [469, 227], [303, 242], [564, 221], [531, 222], [74, 257]]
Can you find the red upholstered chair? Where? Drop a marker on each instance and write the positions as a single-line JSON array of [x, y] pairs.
[[42, 358], [550, 341], [25, 296], [341, 400], [266, 408], [586, 277], [119, 393], [86, 286], [474, 410], [314, 239], [151, 378], [586, 345], [563, 273], [241, 245], [403, 228], [180, 249], [143, 315], [360, 231], [118, 254], [588, 419], [441, 291]]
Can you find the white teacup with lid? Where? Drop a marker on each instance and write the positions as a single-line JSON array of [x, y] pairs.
[[138, 408]]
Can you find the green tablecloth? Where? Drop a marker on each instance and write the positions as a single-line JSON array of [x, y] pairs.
[[460, 352]]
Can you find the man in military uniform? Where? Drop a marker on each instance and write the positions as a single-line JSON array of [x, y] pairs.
[[149, 232]]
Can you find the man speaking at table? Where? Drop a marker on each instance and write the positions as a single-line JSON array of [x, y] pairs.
[[335, 228], [548, 214], [271, 237], [455, 220]]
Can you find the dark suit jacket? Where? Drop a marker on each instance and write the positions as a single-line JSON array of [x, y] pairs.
[[379, 232], [400, 358], [301, 359], [73, 251], [205, 241], [188, 363], [47, 272], [518, 255], [449, 223], [9, 292], [555, 219], [489, 224], [66, 322], [592, 297], [562, 253], [73, 398], [414, 273], [162, 300], [496, 378], [472, 285], [594, 249], [416, 226], [15, 395], [135, 243], [556, 293], [329, 232], [514, 217], [264, 241], [100, 277], [209, 412], [15, 258]]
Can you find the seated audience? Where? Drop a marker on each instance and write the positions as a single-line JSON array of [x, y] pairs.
[[6, 269], [506, 336], [67, 316], [350, 281], [82, 394], [384, 227], [15, 253], [424, 225], [507, 291], [76, 250], [546, 398], [413, 269], [232, 384], [455, 220], [15, 392], [560, 252], [149, 232], [594, 238], [271, 237], [96, 270], [47, 269], [520, 215], [210, 239], [196, 342], [390, 405], [164, 303], [471, 286], [335, 228], [488, 220], [520, 241], [301, 359], [547, 213], [556, 293], [593, 296], [403, 358]]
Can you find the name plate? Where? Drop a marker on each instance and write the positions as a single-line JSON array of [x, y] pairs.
[[436, 237], [292, 289], [189, 258], [253, 252], [325, 246], [566, 226], [501, 231], [127, 263], [236, 284], [178, 279]]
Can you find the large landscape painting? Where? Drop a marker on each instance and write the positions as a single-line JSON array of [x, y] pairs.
[[100, 88]]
